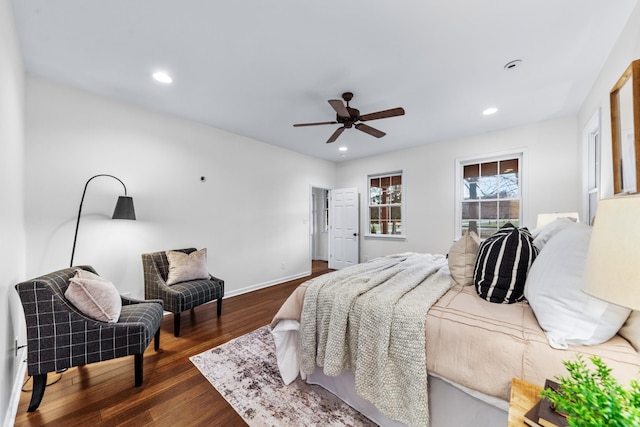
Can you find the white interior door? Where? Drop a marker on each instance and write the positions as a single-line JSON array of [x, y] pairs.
[[344, 228]]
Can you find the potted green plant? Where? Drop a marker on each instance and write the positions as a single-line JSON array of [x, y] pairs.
[[593, 397]]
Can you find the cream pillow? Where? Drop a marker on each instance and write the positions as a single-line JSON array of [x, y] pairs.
[[462, 258], [184, 267], [630, 331], [543, 234], [94, 296]]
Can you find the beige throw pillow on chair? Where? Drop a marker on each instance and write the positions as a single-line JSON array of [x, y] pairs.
[[94, 296], [184, 267]]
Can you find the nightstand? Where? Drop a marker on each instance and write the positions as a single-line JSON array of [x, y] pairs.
[[524, 396]]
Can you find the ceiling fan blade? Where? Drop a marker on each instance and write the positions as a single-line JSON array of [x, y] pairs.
[[340, 108], [383, 114], [314, 124], [335, 135], [371, 131]]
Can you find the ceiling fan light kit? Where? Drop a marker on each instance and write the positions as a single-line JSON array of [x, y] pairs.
[[513, 64], [350, 117]]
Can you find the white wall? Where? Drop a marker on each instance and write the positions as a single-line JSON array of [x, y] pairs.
[[626, 50], [251, 213], [12, 235], [429, 181]]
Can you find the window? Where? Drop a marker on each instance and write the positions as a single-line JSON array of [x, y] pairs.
[[593, 176], [592, 141], [385, 204], [490, 194]]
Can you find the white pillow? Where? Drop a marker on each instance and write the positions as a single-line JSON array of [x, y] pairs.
[[554, 290], [543, 234], [184, 267], [94, 296]]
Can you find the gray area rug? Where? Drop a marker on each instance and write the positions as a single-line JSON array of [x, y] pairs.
[[245, 372]]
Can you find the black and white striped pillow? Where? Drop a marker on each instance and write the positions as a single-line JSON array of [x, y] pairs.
[[502, 265]]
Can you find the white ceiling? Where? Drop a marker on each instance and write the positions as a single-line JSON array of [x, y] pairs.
[[256, 67]]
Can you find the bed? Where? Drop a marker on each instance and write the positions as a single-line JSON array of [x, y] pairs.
[[367, 346]]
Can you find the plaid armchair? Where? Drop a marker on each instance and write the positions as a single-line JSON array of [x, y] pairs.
[[59, 336], [182, 296]]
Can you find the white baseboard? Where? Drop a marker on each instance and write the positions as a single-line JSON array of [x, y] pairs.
[[255, 287], [14, 400]]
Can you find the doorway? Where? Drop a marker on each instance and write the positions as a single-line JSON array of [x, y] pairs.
[[319, 228]]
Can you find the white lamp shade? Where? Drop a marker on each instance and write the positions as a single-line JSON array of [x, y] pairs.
[[613, 265]]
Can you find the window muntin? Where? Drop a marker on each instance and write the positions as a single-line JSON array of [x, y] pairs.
[[385, 204], [491, 195]]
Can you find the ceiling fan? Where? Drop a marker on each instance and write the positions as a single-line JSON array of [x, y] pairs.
[[350, 117]]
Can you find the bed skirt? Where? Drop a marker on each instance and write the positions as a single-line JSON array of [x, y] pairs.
[[449, 405]]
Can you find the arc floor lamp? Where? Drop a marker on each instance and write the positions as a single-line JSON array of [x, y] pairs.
[[124, 209]]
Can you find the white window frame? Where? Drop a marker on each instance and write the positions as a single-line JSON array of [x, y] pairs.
[[591, 170], [368, 233], [460, 162]]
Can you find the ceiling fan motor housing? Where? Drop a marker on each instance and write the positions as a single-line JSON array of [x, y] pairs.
[[354, 116]]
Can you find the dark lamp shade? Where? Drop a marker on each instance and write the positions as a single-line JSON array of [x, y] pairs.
[[124, 208]]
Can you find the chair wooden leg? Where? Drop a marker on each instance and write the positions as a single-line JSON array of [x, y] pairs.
[[156, 340], [176, 324], [138, 369], [219, 307], [39, 384]]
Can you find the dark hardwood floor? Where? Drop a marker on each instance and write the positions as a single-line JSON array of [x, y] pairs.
[[318, 266], [173, 393]]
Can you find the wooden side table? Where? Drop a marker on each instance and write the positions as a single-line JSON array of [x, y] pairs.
[[524, 396]]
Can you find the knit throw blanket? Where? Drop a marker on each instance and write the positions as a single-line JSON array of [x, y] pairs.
[[369, 318]]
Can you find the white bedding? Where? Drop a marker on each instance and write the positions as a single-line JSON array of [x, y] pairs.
[[285, 337]]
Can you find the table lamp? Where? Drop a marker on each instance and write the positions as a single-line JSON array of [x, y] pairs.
[[613, 263]]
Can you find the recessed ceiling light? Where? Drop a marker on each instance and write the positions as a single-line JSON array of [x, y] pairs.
[[162, 77], [490, 111], [343, 148]]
